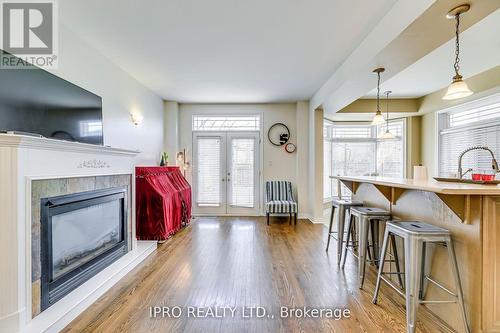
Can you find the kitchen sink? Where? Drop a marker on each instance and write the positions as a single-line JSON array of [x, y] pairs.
[[468, 181]]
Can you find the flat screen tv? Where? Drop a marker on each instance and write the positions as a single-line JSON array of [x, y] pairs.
[[38, 102]]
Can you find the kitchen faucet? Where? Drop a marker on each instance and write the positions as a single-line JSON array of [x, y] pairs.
[[494, 163]]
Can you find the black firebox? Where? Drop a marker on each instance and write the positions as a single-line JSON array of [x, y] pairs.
[[81, 234]]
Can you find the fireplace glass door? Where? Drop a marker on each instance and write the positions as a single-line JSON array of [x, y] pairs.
[[82, 233]]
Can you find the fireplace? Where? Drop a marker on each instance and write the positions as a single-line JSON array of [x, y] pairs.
[[81, 234]]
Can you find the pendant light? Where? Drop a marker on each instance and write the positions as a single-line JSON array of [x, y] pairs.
[[378, 118], [387, 134], [458, 88]]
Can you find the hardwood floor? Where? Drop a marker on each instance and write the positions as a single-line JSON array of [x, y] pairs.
[[238, 262]]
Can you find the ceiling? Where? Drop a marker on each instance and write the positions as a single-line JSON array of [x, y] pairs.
[[479, 51], [226, 51]]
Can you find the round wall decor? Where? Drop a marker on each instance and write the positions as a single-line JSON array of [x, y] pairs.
[[278, 134], [290, 147]]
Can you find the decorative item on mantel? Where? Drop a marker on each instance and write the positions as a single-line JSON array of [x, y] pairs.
[[164, 159]]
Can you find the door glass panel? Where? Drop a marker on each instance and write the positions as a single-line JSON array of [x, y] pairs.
[[242, 172], [209, 172]]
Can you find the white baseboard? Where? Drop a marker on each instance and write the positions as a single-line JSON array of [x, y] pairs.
[[300, 216], [317, 220], [59, 315]]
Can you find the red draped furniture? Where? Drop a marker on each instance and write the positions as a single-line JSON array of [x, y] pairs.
[[163, 202]]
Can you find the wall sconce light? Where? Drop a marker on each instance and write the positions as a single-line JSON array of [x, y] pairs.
[[136, 118]]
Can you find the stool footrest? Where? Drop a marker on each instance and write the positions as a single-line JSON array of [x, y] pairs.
[[393, 273], [440, 286], [334, 237], [393, 286], [436, 302], [390, 260]]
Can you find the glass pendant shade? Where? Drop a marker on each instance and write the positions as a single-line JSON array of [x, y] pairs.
[[458, 89], [387, 135], [378, 119]]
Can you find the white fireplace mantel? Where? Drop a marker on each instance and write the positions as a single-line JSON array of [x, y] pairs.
[[24, 141], [23, 159]]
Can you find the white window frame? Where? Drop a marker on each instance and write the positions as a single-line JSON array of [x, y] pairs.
[[373, 139], [227, 129], [261, 116], [404, 140], [441, 121]]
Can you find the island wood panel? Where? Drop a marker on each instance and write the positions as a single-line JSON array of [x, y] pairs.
[[477, 246], [491, 264]]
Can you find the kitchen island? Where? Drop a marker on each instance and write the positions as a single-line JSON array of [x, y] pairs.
[[470, 212]]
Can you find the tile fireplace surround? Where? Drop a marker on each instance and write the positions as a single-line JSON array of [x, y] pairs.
[[33, 168]]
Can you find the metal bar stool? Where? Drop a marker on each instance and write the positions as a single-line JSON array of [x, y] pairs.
[[343, 206], [368, 220], [416, 235]]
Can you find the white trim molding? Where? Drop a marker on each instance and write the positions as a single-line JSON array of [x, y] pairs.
[[23, 159], [24, 141]]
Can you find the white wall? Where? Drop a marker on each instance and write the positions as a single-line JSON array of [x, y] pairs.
[[171, 131], [315, 164], [429, 143], [302, 115], [121, 94], [277, 164]]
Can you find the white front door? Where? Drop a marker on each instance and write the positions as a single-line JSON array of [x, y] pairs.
[[226, 175]]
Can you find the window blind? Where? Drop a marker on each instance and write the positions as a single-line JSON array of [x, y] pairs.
[[242, 172], [396, 127], [209, 172], [352, 131], [466, 117], [472, 124], [452, 143]]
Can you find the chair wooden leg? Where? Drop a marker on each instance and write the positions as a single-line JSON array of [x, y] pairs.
[[290, 219], [267, 214], [296, 218]]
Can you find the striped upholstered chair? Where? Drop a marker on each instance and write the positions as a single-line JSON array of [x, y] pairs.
[[279, 199]]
